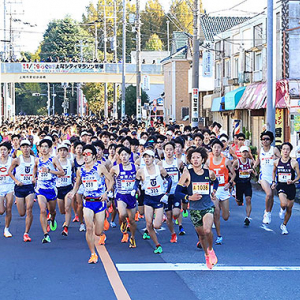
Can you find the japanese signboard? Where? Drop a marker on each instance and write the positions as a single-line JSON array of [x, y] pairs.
[[279, 126], [207, 64], [195, 105]]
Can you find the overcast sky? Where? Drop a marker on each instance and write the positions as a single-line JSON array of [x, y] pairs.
[[41, 12]]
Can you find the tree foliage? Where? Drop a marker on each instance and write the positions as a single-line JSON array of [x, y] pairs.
[[154, 43]]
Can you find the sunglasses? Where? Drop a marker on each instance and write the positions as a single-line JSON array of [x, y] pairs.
[[87, 154], [266, 139], [241, 139]]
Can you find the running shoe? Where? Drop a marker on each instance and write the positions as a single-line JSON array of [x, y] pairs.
[[207, 260], [26, 237], [76, 219], [82, 227], [53, 225], [173, 238], [219, 240], [102, 239], [46, 239], [282, 213], [106, 225], [239, 203], [267, 217], [48, 228], [93, 259], [48, 216], [181, 231], [247, 221], [158, 250], [185, 214], [112, 224], [176, 222], [110, 209], [146, 236], [65, 232], [7, 233], [123, 227], [132, 243], [283, 229], [213, 226], [212, 257], [125, 238], [164, 218], [199, 245], [136, 217]]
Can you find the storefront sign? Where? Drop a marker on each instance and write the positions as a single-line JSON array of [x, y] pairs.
[[195, 105], [279, 130]]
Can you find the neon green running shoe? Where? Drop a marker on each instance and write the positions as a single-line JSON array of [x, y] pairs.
[[176, 222], [158, 250], [146, 236], [53, 225], [46, 239], [185, 214]]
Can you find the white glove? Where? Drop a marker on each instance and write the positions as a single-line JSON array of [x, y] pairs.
[[132, 193], [164, 199], [110, 194]]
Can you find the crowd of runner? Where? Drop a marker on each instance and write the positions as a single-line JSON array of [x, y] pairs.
[[103, 168]]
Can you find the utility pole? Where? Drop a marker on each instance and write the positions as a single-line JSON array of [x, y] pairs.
[[4, 32], [115, 105], [195, 70], [138, 64], [105, 50], [48, 99], [123, 61], [96, 41], [53, 100], [270, 83], [168, 35]]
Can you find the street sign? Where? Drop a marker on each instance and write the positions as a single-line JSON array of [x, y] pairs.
[[146, 83], [36, 94], [160, 101], [195, 107]]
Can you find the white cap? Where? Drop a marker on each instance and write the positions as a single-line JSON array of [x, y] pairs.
[[61, 146], [25, 142], [66, 142], [148, 152], [84, 133], [244, 148], [142, 142], [169, 132], [223, 138]]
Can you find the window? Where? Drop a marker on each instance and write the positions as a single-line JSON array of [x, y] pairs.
[[185, 111], [258, 35], [258, 62], [227, 68], [236, 67]]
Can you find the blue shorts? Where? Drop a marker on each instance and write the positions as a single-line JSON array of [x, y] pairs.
[[95, 206], [128, 199], [62, 191], [153, 201], [49, 194], [24, 190], [172, 203]]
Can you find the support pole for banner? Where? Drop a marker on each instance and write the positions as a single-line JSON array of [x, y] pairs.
[[115, 105], [48, 98], [195, 69], [105, 50], [138, 64], [123, 61], [270, 84]]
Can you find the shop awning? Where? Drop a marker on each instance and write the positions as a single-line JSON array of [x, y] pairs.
[[232, 98], [217, 104], [208, 99], [255, 96]]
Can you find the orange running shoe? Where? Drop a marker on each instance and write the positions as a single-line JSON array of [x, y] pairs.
[[136, 218], [107, 214], [48, 227], [106, 225], [102, 239], [125, 238], [110, 209], [173, 238], [48, 217], [76, 219], [123, 227], [93, 259], [212, 257], [26, 237], [208, 264]]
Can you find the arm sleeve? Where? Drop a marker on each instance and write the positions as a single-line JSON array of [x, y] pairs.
[[168, 178], [215, 184], [179, 192], [136, 184]]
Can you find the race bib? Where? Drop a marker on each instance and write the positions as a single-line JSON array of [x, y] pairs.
[[174, 176], [26, 178], [243, 174], [201, 188], [127, 184], [44, 176], [63, 180], [90, 185], [284, 177], [267, 161], [3, 178], [153, 190]]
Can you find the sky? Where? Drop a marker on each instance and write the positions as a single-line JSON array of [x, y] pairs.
[[41, 12]]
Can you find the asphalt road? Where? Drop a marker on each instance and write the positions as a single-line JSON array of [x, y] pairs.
[[59, 270]]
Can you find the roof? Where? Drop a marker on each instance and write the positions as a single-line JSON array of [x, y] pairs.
[[212, 26]]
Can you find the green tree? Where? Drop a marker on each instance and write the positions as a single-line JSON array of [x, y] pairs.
[[154, 43], [181, 16], [130, 100], [62, 38]]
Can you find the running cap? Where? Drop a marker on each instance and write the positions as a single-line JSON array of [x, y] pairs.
[[25, 142], [67, 142], [244, 148], [148, 152], [84, 133], [62, 146], [142, 142], [169, 132]]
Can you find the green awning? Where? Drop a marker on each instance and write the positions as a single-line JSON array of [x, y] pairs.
[[232, 98]]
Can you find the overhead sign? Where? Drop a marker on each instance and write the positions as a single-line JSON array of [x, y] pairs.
[[207, 64], [62, 67]]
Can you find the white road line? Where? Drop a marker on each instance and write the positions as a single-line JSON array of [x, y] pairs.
[[152, 267]]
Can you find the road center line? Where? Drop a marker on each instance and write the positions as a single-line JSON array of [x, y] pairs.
[[197, 267], [112, 273]]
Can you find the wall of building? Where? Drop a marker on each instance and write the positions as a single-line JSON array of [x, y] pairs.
[[150, 57]]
